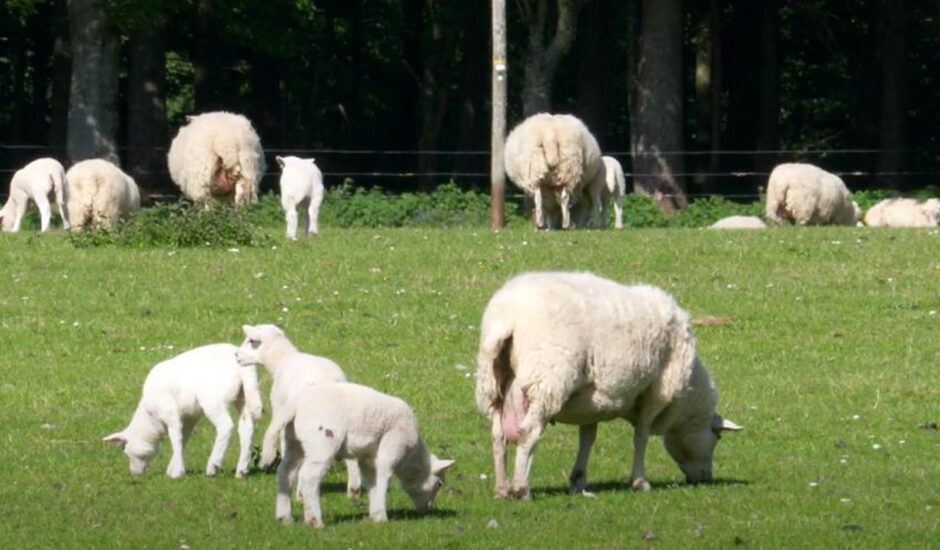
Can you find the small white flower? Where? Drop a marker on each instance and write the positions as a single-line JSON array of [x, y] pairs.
[[836, 242], [284, 309], [902, 442], [932, 312], [459, 366], [813, 484], [234, 250], [75, 324], [845, 500], [283, 287], [876, 446], [375, 270], [855, 417], [843, 461], [259, 274]]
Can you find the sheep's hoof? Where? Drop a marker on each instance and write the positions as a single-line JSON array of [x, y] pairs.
[[316, 523], [379, 517], [502, 493], [521, 493], [353, 492], [286, 520], [641, 485]]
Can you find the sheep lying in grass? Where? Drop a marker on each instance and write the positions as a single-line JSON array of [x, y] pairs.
[[177, 393], [552, 158], [39, 181], [99, 194], [739, 222], [290, 370], [808, 195], [578, 349], [217, 155], [301, 184], [323, 422], [904, 213]]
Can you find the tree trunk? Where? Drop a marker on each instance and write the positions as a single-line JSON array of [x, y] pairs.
[[541, 60], [61, 79], [893, 92], [146, 112]]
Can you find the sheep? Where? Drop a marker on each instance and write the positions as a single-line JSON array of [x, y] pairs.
[[290, 370], [808, 195], [99, 194], [552, 158], [579, 349], [739, 222], [179, 391], [38, 181], [609, 183], [323, 422], [904, 213], [301, 183], [217, 155]]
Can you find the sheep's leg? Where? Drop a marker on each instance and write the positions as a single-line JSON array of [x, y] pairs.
[[499, 456], [174, 430], [310, 475], [353, 478], [290, 214], [587, 433], [291, 457], [218, 415], [313, 215], [598, 219], [530, 431], [45, 212], [641, 435], [564, 203], [246, 428], [539, 213]]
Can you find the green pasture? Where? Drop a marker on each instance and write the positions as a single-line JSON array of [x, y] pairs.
[[825, 344]]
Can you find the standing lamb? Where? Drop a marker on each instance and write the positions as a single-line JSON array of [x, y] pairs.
[[177, 393], [99, 194], [578, 349], [39, 181], [290, 370], [552, 158], [301, 184], [323, 422], [609, 184], [808, 195], [739, 222], [904, 213], [217, 155]]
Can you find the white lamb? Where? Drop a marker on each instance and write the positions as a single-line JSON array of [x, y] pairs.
[[323, 422], [578, 349], [608, 185], [177, 393], [808, 195], [217, 155], [739, 222], [39, 181], [290, 370], [552, 158], [100, 194], [301, 184], [904, 213]]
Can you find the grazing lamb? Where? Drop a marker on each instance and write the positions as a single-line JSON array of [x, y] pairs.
[[301, 184], [39, 181], [177, 392], [99, 194], [290, 370], [217, 155], [904, 213], [578, 349], [552, 158], [808, 195], [608, 184], [323, 422], [739, 222]]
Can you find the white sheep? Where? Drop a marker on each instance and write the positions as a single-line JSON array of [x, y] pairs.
[[552, 158], [739, 222], [290, 370], [217, 155], [808, 195], [301, 184], [177, 393], [579, 349], [904, 213], [100, 194], [39, 181], [323, 422], [609, 185]]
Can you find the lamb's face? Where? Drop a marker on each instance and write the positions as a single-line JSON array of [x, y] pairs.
[[422, 495], [140, 453], [249, 353]]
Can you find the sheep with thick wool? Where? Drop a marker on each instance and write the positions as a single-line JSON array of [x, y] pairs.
[[552, 158], [808, 195], [100, 194], [217, 155], [301, 185], [904, 213], [739, 222], [579, 349], [39, 181]]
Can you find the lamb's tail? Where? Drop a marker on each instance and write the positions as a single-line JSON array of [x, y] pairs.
[[494, 367], [251, 391]]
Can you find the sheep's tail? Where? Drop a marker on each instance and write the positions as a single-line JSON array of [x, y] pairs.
[[494, 368], [570, 164], [251, 392]]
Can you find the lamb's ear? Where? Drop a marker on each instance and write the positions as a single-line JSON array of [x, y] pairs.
[[189, 118], [439, 466], [720, 424], [280, 161], [312, 160], [118, 439], [247, 328]]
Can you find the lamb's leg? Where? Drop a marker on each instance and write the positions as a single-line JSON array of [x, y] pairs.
[[529, 433], [313, 215], [45, 212], [311, 474], [174, 429], [353, 478], [22, 202], [291, 214], [291, 456], [539, 213], [377, 513], [218, 415], [246, 428], [499, 456], [641, 434], [587, 433], [618, 211]]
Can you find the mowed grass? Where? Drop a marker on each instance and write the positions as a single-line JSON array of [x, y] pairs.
[[827, 355]]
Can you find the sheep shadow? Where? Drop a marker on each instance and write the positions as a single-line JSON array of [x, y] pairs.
[[622, 485], [360, 517]]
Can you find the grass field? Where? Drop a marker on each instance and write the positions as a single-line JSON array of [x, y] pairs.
[[828, 359]]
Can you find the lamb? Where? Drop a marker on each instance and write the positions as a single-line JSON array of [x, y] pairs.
[[301, 183], [100, 194], [609, 183], [217, 155], [38, 181], [179, 391], [322, 422], [552, 158], [579, 349], [904, 213], [808, 195], [290, 370], [739, 222]]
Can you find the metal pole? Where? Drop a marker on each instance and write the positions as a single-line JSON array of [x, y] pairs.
[[498, 128]]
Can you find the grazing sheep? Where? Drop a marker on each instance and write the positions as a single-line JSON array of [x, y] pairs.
[[99, 194], [179, 391], [578, 349], [39, 181], [552, 158], [290, 370], [904, 213], [301, 184], [609, 183], [808, 195], [323, 422], [739, 222], [217, 155]]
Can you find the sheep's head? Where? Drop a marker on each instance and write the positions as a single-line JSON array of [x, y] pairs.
[[258, 340], [422, 493], [138, 451], [693, 449]]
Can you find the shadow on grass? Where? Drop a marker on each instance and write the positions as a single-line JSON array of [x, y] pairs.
[[363, 517], [620, 485]]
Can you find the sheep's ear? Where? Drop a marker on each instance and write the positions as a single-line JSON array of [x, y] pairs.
[[247, 329], [439, 466], [720, 424], [118, 439], [280, 161]]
